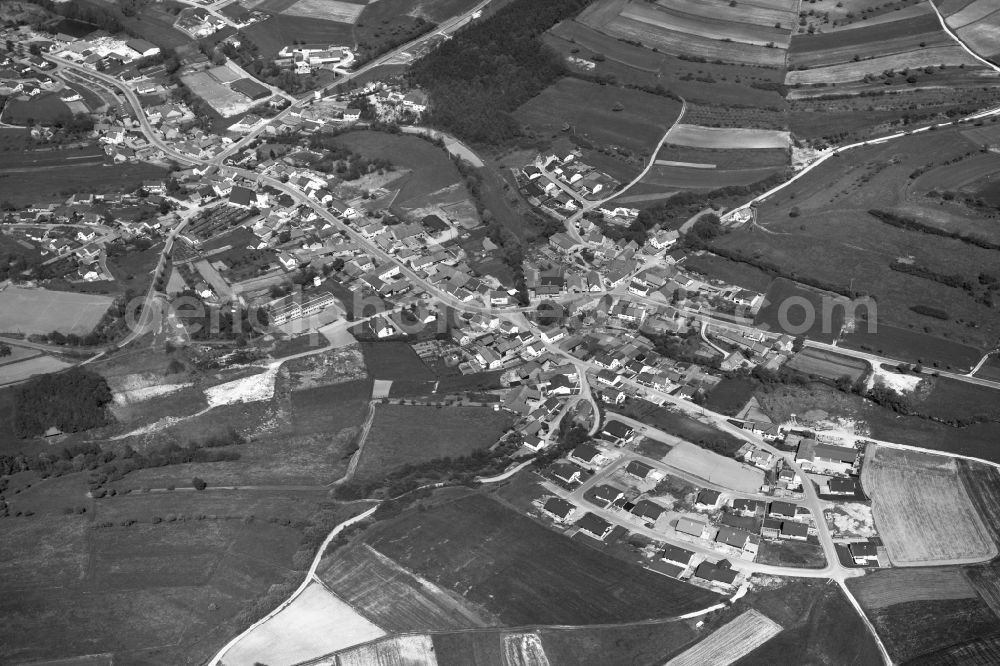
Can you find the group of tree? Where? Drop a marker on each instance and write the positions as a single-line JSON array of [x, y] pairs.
[[477, 78], [71, 401]]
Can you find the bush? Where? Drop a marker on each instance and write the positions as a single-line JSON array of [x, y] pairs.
[[198, 484]]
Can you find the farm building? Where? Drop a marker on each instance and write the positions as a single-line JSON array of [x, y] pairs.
[[594, 525], [863, 552], [566, 472], [692, 527], [142, 47], [676, 555], [251, 88], [826, 457], [607, 494], [648, 511], [716, 573], [638, 469], [709, 498], [559, 508]]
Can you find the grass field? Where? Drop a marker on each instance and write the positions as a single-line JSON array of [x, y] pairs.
[[953, 400], [731, 641], [913, 347], [888, 587], [922, 510], [682, 426], [525, 573], [408, 434], [731, 272], [730, 395], [431, 169], [819, 221], [316, 623], [280, 30], [45, 109], [392, 597], [788, 553], [828, 365], [43, 311], [785, 311], [394, 360], [590, 109]]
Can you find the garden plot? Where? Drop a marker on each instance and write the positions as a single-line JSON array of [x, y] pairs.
[[922, 510], [730, 642], [727, 137]]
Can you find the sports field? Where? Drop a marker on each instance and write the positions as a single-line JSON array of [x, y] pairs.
[[922, 509], [43, 311], [316, 623], [329, 10]]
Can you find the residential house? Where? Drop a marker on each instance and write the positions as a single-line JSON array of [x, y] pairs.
[[617, 432], [778, 509], [559, 509], [607, 494], [690, 526], [566, 472], [720, 572], [594, 525], [708, 498], [676, 555], [732, 536], [648, 511], [863, 552]]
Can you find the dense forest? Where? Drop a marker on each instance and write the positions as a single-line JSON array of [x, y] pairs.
[[72, 401], [492, 67]]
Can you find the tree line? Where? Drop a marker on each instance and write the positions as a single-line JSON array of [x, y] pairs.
[[72, 401]]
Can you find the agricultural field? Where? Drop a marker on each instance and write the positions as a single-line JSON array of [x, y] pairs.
[[982, 483], [645, 644], [888, 587], [694, 178], [43, 311], [922, 511], [731, 641], [828, 365], [785, 311], [392, 597], [723, 158], [394, 360], [411, 434], [977, 23], [315, 624], [727, 138], [624, 121], [728, 271], [523, 572], [986, 581], [910, 629], [416, 650], [703, 30]]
